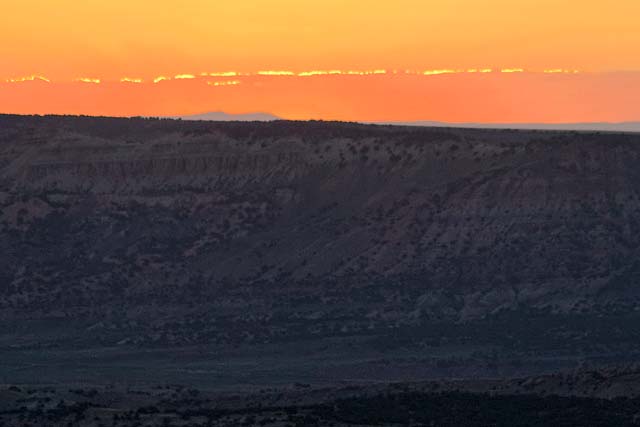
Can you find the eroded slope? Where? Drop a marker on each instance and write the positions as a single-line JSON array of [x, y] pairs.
[[139, 231]]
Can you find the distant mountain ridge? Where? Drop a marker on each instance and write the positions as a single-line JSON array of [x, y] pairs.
[[221, 116], [586, 127]]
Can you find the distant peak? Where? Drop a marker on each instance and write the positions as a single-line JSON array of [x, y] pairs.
[[221, 116]]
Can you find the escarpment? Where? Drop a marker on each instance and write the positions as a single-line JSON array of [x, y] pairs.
[[216, 232]]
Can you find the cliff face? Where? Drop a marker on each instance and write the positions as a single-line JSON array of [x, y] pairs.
[[158, 231]]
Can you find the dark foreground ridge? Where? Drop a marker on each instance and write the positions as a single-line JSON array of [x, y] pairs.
[[558, 400], [242, 255]]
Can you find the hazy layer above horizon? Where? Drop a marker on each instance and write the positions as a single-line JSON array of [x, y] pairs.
[[595, 126]]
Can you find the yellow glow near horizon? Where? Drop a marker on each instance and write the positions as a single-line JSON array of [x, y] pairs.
[[460, 97]]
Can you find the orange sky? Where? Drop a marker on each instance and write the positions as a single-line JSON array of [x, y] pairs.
[[64, 41]]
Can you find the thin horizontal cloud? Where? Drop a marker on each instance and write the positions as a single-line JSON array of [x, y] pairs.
[[450, 71], [341, 72], [560, 71], [87, 80], [319, 73], [225, 83], [365, 73], [220, 74], [28, 79], [276, 73], [306, 73], [439, 72]]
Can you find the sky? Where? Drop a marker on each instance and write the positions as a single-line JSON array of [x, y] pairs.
[[402, 60]]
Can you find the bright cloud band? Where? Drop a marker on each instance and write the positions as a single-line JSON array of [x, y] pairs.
[[310, 73]]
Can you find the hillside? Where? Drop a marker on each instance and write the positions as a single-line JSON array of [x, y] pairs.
[[144, 233]]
